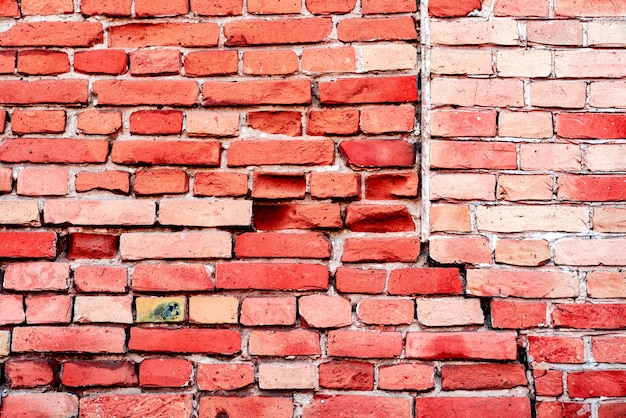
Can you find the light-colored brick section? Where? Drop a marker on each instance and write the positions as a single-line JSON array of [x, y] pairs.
[[461, 61], [99, 212], [19, 212], [610, 94], [606, 34], [477, 92], [449, 312], [525, 187], [213, 309], [212, 123], [383, 57], [522, 283], [205, 213], [525, 124], [474, 32], [606, 157], [590, 63], [558, 157], [532, 218], [114, 309], [163, 245], [463, 186], [589, 252], [287, 376], [516, 63], [522, 252], [557, 93]]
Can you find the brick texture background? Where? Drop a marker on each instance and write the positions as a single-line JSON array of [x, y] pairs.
[[312, 208]]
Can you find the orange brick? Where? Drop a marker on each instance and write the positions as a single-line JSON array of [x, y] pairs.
[[450, 218], [38, 62], [268, 311], [97, 122], [51, 7], [147, 8], [386, 311], [109, 180], [210, 63], [217, 7], [527, 252], [466, 249], [335, 185], [155, 62], [137, 35], [377, 29], [212, 123], [329, 60], [325, 311], [274, 6], [38, 121], [387, 119], [220, 184], [161, 181]]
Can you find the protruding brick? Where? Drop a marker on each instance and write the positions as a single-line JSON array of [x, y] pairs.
[[378, 218], [271, 276], [173, 245], [391, 186], [364, 344], [325, 311], [83, 245]]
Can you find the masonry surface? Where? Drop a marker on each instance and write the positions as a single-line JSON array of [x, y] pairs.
[[312, 208]]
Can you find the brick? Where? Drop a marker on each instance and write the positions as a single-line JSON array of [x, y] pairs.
[[99, 212], [588, 315], [469, 154], [596, 9], [204, 213], [137, 35], [556, 349], [86, 339], [596, 383], [425, 281], [608, 349], [474, 32], [297, 342], [608, 94], [131, 92], [518, 314], [10, 8], [391, 186], [329, 60], [98, 279], [111, 180], [12, 308], [94, 246], [297, 216], [282, 31], [472, 249], [447, 8], [386, 311], [274, 7], [454, 123], [276, 244], [113, 309], [410, 376], [6, 180], [404, 250], [548, 382], [185, 340], [155, 62], [449, 312], [323, 7], [58, 404], [103, 61], [37, 62], [147, 8], [556, 93], [387, 119], [278, 152], [525, 187], [459, 186], [220, 184], [261, 406], [554, 409], [210, 63], [378, 153], [40, 244], [166, 152], [525, 124], [48, 309], [376, 218], [7, 62], [98, 373], [555, 32], [172, 245], [606, 285], [520, 283], [165, 372], [229, 376], [461, 61], [65, 91], [212, 123], [136, 405], [611, 409], [388, 6], [332, 122], [386, 57], [29, 373], [487, 407], [278, 185], [450, 218], [364, 344], [270, 62], [487, 345], [482, 376], [583, 64], [346, 375], [98, 122], [514, 63], [36, 276], [377, 29], [38, 121], [532, 218], [335, 185], [106, 7], [287, 376], [523, 252], [591, 125], [605, 158], [278, 122], [213, 309], [256, 92], [217, 7], [582, 252], [558, 157], [58, 34], [258, 311], [370, 406], [353, 280], [43, 182], [170, 278], [5, 338], [19, 212], [272, 276], [325, 311], [477, 92], [520, 8], [394, 89], [161, 181]]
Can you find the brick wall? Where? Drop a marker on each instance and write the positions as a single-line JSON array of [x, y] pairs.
[[312, 208]]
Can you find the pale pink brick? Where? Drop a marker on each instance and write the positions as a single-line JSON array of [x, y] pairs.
[[522, 252], [163, 245], [447, 312], [325, 311], [212, 123], [205, 213], [213, 309], [378, 311], [386, 57], [525, 124], [268, 311], [19, 212], [606, 34], [606, 157], [6, 180], [559, 157], [556, 93], [461, 61], [532, 218], [48, 309], [463, 186], [522, 283], [524, 187], [450, 218], [453, 123], [474, 32], [470, 249], [606, 285], [387, 119], [36, 276], [590, 63], [287, 376], [43, 182], [597, 8], [555, 32], [410, 376], [477, 92], [589, 252], [611, 94], [536, 8], [115, 309], [609, 219], [99, 212], [12, 308], [515, 63]]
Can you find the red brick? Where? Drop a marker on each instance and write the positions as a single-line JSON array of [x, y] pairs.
[[377, 29], [16, 244], [325, 311], [39, 62], [26, 405], [268, 311], [7, 61], [388, 119], [137, 35], [211, 63], [148, 8], [353, 280], [48, 309], [85, 339], [276, 244], [563, 409], [43, 150], [161, 181], [332, 122], [297, 342], [391, 186], [65, 91], [109, 180], [386, 311], [36, 276], [518, 314], [92, 246], [12, 307], [231, 376], [282, 31], [454, 123], [279, 152], [270, 62], [365, 344], [106, 7], [548, 382], [171, 278], [38, 121], [378, 153], [468, 154], [335, 185], [220, 184], [250, 406], [329, 60], [450, 8], [278, 185], [350, 375], [556, 349], [486, 407], [588, 315], [29, 373], [612, 409], [50, 7], [130, 92], [596, 383], [67, 34], [136, 405], [592, 9], [369, 90], [608, 349], [269, 276], [256, 92], [43, 181], [217, 7], [97, 122], [276, 122], [388, 6], [157, 152], [297, 216], [99, 212], [406, 377], [165, 372], [98, 373], [471, 249], [326, 7], [591, 125], [379, 218], [10, 8], [381, 249], [186, 340], [174, 245], [591, 188], [100, 279], [487, 345], [357, 406], [6, 180], [155, 62], [482, 376]]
